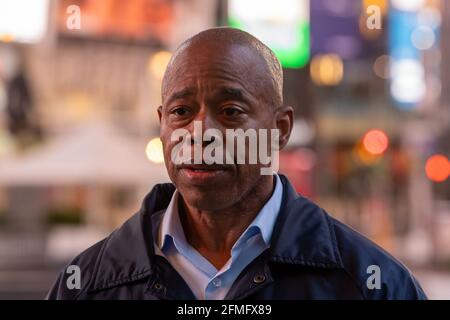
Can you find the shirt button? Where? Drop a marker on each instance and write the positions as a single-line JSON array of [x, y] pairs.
[[217, 282], [260, 278]]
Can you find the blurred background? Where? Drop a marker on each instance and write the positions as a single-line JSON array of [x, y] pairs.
[[79, 148]]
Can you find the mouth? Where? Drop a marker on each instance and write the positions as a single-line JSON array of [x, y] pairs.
[[200, 174]]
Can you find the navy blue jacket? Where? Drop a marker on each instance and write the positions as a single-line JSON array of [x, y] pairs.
[[312, 256]]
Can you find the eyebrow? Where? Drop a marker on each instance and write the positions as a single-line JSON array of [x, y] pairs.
[[231, 93], [184, 93], [223, 93]]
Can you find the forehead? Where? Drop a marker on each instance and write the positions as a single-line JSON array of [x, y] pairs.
[[213, 68]]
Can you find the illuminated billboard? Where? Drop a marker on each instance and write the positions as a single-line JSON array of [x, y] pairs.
[[23, 20], [282, 25]]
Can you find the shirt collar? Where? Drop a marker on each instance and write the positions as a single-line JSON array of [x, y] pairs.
[[171, 228], [265, 220]]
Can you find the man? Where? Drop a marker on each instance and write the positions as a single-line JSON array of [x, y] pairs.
[[227, 231]]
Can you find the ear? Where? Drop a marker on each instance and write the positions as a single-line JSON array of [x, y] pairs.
[[284, 123], [160, 113]]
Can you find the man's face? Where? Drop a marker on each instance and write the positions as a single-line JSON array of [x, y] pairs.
[[221, 87]]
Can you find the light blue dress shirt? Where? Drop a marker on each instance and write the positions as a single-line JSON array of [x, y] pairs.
[[204, 280]]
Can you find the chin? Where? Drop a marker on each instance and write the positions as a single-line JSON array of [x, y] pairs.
[[206, 200]]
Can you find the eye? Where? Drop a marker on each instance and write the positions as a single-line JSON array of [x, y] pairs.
[[180, 111], [232, 111]]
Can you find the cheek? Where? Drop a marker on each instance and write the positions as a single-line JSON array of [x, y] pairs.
[[167, 147], [165, 136]]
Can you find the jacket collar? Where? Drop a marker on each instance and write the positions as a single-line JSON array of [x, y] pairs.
[[302, 235]]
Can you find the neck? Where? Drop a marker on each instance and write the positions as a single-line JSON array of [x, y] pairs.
[[213, 233]]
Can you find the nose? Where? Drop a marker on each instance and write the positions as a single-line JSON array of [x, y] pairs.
[[203, 121]]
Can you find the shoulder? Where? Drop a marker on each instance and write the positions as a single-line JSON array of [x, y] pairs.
[[120, 258], [117, 259], [76, 276], [376, 272]]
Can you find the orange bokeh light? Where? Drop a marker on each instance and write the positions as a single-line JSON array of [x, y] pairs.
[[437, 168], [375, 142]]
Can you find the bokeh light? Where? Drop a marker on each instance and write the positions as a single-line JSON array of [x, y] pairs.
[[423, 38], [154, 151], [381, 66], [408, 80], [437, 168], [158, 63], [382, 4], [408, 5], [375, 142], [327, 70]]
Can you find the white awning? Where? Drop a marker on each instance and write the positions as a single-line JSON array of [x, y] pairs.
[[94, 153]]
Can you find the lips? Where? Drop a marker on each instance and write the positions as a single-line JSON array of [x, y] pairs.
[[202, 173], [204, 167]]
